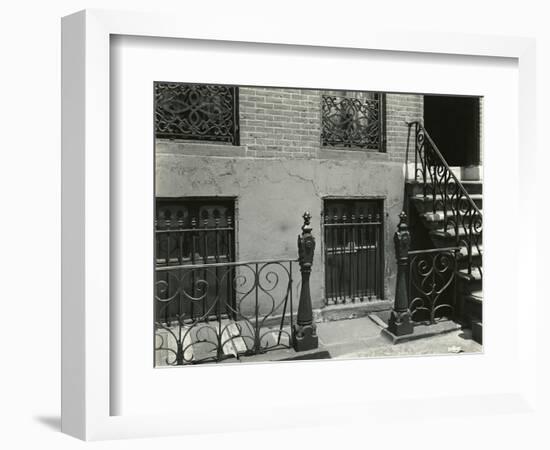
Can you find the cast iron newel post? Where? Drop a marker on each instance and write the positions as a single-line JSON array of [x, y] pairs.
[[400, 319], [304, 334]]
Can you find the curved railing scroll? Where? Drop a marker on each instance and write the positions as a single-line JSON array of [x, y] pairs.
[[449, 198]]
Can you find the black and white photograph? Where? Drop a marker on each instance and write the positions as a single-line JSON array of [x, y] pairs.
[[303, 224]]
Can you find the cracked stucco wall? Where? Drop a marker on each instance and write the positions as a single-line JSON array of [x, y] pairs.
[[272, 194]]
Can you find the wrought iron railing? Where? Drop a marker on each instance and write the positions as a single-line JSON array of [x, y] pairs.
[[450, 200], [425, 288], [432, 284], [210, 312], [353, 122], [204, 112]]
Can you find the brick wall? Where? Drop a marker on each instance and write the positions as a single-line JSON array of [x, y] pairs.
[[286, 123], [401, 108], [279, 122]]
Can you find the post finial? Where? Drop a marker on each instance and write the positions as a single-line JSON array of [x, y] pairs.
[[402, 218], [306, 227]]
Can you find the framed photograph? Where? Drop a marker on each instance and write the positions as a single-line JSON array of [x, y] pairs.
[[277, 229]]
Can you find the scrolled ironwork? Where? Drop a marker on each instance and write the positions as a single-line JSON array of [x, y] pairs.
[[197, 321], [353, 122], [432, 284], [462, 219], [203, 112]]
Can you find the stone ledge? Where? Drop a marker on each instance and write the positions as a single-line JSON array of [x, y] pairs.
[[422, 331], [350, 310]]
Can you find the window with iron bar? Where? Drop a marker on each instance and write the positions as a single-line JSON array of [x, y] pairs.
[[354, 120], [353, 250], [197, 112]]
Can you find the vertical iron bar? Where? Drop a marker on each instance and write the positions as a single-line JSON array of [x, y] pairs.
[[343, 259], [415, 153], [291, 297], [359, 255], [376, 255], [469, 239], [369, 257], [364, 247], [217, 259], [257, 342], [334, 266], [350, 245], [193, 249], [205, 301], [421, 147], [232, 300]]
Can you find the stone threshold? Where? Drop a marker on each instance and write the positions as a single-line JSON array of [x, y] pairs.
[[352, 310], [419, 332]]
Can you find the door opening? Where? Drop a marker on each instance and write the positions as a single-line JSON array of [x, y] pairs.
[[453, 122]]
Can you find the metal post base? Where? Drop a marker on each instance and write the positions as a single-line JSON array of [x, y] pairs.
[[304, 338], [400, 323]]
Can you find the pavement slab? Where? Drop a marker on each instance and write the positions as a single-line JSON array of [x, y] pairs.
[[364, 338]]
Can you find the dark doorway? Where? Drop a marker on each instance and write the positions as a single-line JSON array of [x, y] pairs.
[[453, 124]]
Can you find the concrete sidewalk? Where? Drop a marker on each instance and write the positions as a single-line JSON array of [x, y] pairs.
[[363, 338]]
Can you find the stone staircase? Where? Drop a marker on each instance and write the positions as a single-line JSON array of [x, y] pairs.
[[428, 231]]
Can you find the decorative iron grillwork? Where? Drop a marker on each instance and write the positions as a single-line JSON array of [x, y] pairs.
[[260, 319], [203, 112], [353, 122], [432, 284], [354, 255], [195, 231], [462, 219]]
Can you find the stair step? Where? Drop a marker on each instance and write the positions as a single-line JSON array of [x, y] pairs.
[[476, 296], [438, 216], [476, 274], [451, 233], [477, 331], [475, 251], [473, 186], [429, 197]]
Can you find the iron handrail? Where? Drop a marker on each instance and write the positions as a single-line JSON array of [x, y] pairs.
[[434, 250], [223, 264], [437, 176], [444, 162]]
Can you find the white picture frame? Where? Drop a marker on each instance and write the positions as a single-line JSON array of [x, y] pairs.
[[87, 316]]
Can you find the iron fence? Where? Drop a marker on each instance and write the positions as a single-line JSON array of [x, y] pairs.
[[210, 312], [432, 283]]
